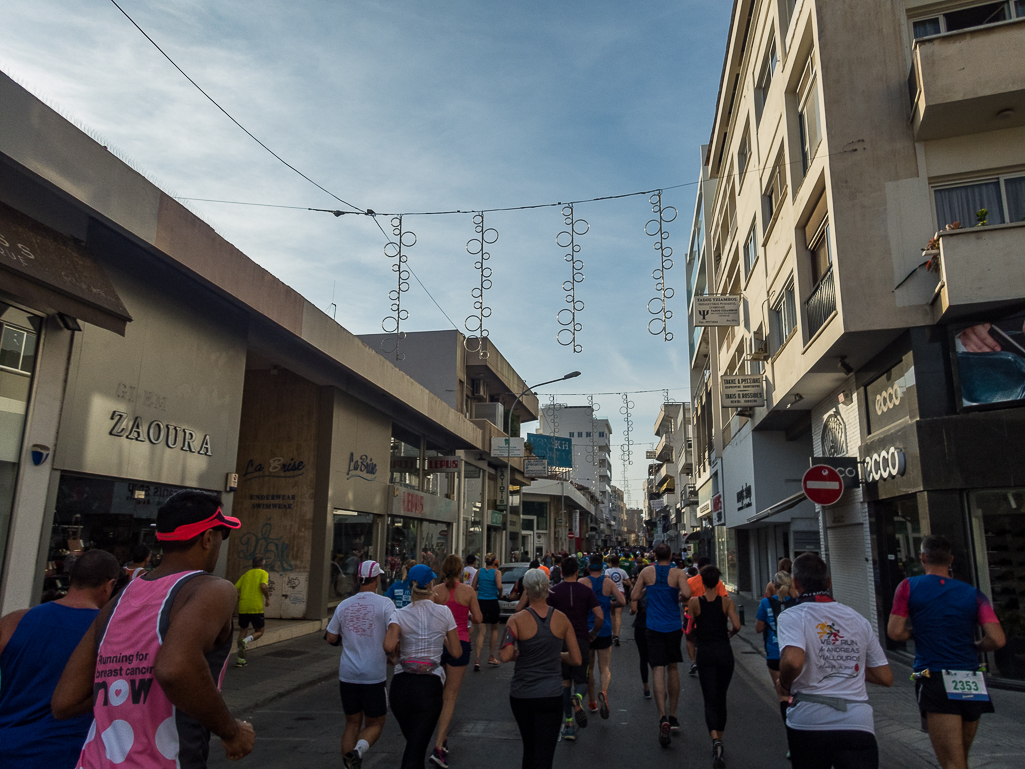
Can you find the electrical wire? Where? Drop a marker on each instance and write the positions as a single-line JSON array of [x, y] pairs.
[[249, 133]]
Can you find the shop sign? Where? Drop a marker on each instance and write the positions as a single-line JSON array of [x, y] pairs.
[[705, 509], [717, 310], [405, 464], [496, 518], [412, 504], [503, 489], [276, 467], [744, 497], [887, 397], [535, 468], [742, 391], [363, 467], [576, 523], [159, 433], [507, 447], [650, 454], [443, 464], [887, 463], [558, 451], [846, 466], [718, 514]]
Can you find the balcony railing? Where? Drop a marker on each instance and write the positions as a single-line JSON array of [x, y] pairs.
[[821, 303]]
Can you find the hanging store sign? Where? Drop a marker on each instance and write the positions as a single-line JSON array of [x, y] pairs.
[[718, 514], [507, 447], [888, 463], [443, 464], [496, 518], [846, 466], [717, 310], [405, 464], [743, 391], [535, 468], [650, 454]]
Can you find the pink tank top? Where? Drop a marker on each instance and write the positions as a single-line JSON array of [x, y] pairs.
[[134, 723], [461, 614]]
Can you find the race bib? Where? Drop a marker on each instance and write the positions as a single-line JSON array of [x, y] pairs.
[[965, 685]]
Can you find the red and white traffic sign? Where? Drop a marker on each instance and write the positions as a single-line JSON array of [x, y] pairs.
[[822, 484]]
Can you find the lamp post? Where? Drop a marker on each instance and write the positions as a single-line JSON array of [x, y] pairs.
[[508, 421]]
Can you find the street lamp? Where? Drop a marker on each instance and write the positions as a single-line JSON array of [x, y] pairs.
[[508, 421]]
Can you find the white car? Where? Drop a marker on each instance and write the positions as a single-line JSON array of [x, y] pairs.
[[511, 572]]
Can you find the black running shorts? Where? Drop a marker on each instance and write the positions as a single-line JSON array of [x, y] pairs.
[[664, 648], [601, 642], [491, 611], [457, 662], [932, 698], [256, 619], [368, 699], [578, 673]]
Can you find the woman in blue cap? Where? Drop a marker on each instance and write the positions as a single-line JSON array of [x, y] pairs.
[[418, 635]]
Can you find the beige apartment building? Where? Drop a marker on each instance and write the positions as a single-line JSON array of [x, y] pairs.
[[863, 192]]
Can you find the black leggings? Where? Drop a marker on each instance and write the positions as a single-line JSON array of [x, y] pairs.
[[715, 671], [539, 719], [641, 637], [416, 701], [846, 749]]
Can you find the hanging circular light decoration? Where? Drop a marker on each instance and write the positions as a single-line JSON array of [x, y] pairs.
[[392, 324], [657, 306], [477, 246], [567, 316]]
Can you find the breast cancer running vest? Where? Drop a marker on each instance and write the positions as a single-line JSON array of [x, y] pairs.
[[134, 724]]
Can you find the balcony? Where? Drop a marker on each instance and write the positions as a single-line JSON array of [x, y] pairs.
[[664, 449], [665, 479], [968, 82], [980, 269], [699, 346], [821, 303]]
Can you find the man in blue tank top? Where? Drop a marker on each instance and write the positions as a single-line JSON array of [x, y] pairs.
[[608, 597], [35, 645], [666, 587]]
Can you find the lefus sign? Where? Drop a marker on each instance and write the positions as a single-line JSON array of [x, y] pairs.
[[159, 433]]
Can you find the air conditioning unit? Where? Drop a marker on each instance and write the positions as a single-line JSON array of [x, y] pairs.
[[479, 389], [493, 412], [756, 349]]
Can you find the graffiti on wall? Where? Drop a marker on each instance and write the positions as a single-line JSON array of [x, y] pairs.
[[273, 549]]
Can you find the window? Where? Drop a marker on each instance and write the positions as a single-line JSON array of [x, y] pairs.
[[784, 317], [601, 434], [774, 191], [993, 201], [750, 251], [588, 435], [765, 73], [743, 154], [811, 128], [17, 348], [974, 16], [821, 252]]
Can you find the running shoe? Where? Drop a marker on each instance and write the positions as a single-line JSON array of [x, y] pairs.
[[674, 725], [444, 747], [352, 760], [603, 704], [647, 694], [568, 731], [493, 662], [718, 762], [240, 662], [592, 706], [578, 710], [615, 640], [476, 666], [665, 738], [438, 758], [243, 645], [693, 668]]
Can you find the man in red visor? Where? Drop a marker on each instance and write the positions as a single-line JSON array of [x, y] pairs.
[[150, 667]]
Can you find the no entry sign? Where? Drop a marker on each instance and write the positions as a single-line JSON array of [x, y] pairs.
[[822, 484]]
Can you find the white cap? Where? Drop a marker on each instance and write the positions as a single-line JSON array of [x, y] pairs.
[[369, 569]]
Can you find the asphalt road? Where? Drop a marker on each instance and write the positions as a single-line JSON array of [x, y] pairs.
[[304, 729]]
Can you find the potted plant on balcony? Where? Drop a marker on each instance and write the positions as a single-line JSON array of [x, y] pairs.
[[932, 249]]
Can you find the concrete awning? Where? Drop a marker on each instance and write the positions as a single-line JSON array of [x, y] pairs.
[[53, 272]]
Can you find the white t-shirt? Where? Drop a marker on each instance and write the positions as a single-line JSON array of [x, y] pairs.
[[362, 622], [838, 645], [422, 628], [618, 576], [468, 572]]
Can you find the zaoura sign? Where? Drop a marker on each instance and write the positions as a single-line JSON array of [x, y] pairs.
[[159, 433]]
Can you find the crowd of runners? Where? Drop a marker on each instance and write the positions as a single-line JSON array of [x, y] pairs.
[[126, 668]]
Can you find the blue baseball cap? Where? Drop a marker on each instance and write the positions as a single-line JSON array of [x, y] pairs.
[[421, 574]]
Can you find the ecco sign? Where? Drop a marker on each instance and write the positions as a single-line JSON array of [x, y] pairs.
[[157, 432], [888, 398], [888, 463]]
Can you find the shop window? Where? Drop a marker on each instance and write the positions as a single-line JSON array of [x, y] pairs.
[[897, 538], [400, 546], [405, 459], [435, 544], [990, 201], [353, 542], [1000, 515]]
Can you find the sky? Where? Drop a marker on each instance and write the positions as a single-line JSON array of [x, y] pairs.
[[404, 107]]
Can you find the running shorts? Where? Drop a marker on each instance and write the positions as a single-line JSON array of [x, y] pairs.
[[256, 619], [578, 673], [601, 642], [664, 648], [932, 698], [457, 662], [368, 699], [491, 611]]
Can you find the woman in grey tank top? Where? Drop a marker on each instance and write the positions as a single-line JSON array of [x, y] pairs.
[[536, 638]]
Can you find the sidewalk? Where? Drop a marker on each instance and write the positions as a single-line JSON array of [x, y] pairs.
[[902, 744]]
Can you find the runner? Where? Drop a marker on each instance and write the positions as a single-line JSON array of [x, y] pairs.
[[462, 601], [175, 625], [621, 578], [35, 644], [578, 603], [140, 561], [664, 586], [470, 570], [609, 598], [697, 587], [828, 651], [253, 594], [418, 635], [535, 639], [944, 613], [398, 591], [784, 566], [488, 584], [359, 626], [639, 608], [766, 624], [714, 655]]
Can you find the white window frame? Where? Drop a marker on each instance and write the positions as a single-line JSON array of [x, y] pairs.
[[787, 301], [775, 191], [744, 154], [766, 74], [1013, 9], [808, 102], [750, 248], [1001, 179]]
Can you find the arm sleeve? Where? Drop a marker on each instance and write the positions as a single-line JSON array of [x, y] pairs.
[[900, 599], [789, 631], [986, 613], [763, 610]]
